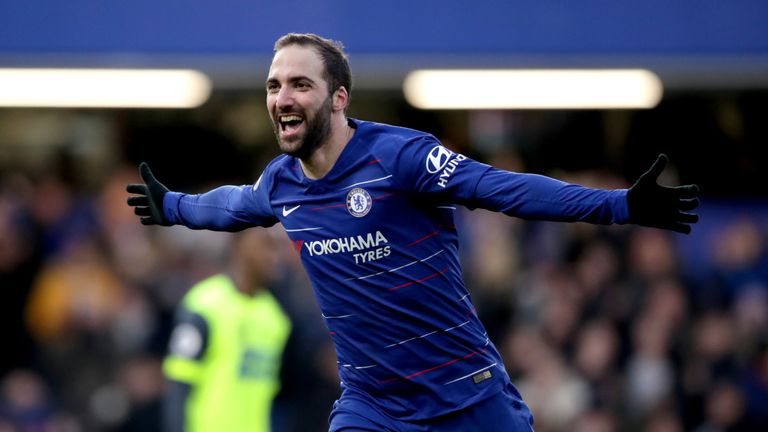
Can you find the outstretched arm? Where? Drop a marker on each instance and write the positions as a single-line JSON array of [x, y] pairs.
[[424, 166], [537, 197], [226, 208]]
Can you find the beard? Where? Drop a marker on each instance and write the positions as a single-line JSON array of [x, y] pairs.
[[318, 127]]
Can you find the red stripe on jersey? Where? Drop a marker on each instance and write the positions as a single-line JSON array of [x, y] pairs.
[[433, 368], [329, 206], [432, 234], [386, 195], [420, 280]]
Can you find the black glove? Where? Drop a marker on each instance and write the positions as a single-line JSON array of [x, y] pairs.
[[653, 205], [149, 203]]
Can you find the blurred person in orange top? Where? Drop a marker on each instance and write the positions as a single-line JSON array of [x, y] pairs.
[[76, 292]]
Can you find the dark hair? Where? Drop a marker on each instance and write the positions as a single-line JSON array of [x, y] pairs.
[[337, 72]]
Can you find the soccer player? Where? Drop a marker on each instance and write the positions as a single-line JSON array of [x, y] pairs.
[[370, 207], [225, 350]]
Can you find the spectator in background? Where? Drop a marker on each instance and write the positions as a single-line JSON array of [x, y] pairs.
[[19, 266], [70, 313], [596, 420], [724, 409], [740, 264], [225, 351], [754, 384], [595, 358], [25, 403], [665, 421], [77, 292]]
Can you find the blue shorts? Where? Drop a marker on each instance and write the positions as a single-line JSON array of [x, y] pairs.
[[502, 412]]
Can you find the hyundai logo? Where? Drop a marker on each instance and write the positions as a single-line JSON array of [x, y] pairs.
[[437, 159]]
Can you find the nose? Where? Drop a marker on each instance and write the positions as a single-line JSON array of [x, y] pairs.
[[284, 98]]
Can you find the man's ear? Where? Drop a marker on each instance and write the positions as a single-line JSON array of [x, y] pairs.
[[340, 99]]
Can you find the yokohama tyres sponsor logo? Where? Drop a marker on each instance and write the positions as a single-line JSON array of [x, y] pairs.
[[364, 248], [346, 244]]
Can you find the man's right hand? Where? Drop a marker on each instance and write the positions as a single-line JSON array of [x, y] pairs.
[[149, 202]]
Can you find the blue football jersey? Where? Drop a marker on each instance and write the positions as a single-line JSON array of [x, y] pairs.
[[378, 240]]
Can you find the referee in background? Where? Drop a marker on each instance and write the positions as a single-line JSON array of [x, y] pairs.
[[223, 362]]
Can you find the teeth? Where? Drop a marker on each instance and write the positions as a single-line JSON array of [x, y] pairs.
[[289, 118]]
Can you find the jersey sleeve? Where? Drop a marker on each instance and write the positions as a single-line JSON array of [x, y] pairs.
[[537, 197], [226, 208], [423, 165], [187, 347]]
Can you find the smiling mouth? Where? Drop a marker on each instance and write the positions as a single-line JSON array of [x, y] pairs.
[[289, 122]]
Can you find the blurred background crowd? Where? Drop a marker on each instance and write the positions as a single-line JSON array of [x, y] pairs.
[[602, 328]]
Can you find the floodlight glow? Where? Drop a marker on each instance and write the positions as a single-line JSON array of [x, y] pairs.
[[103, 88], [532, 89]]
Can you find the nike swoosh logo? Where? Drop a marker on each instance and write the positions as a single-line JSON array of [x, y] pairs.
[[286, 211]]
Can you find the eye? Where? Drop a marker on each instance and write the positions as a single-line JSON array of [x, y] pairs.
[[272, 87], [301, 85]]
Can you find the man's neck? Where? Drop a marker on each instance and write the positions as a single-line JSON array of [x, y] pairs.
[[321, 161], [245, 283]]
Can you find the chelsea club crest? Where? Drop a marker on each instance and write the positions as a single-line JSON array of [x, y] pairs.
[[359, 202]]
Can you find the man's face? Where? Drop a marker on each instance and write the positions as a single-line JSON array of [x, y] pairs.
[[298, 100]]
